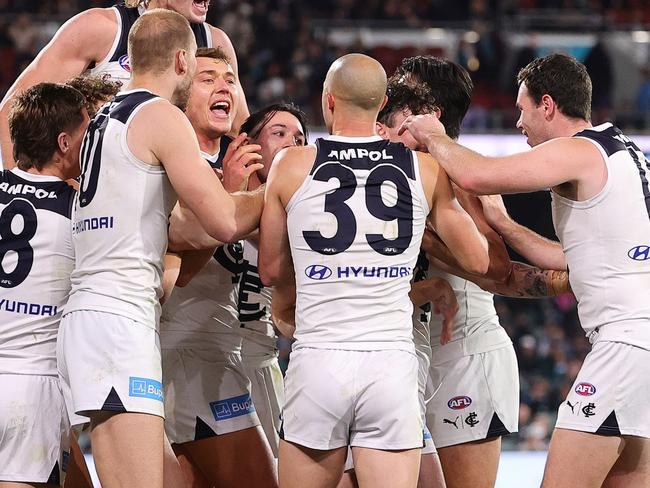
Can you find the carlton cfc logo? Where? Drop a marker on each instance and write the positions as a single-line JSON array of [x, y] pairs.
[[585, 389], [124, 62], [459, 402]]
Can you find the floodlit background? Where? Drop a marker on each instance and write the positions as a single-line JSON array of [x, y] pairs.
[[284, 48]]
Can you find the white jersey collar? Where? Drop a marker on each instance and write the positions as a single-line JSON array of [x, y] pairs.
[[34, 177]]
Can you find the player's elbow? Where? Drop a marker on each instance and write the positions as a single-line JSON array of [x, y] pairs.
[[477, 264], [473, 182], [268, 270], [224, 230]]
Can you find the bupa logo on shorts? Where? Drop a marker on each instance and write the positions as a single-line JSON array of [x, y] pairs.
[[124, 62], [232, 407], [459, 402], [318, 272], [585, 389], [145, 388], [639, 253]]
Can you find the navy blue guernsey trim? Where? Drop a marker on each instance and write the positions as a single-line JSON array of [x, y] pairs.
[[129, 15], [347, 154], [55, 196], [612, 140], [127, 103]]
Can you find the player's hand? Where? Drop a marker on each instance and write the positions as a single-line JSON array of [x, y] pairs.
[[443, 299], [494, 210], [422, 126], [240, 161]]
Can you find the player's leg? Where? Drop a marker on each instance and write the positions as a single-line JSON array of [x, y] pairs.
[[33, 431], [580, 459], [471, 464], [77, 475], [113, 368], [173, 475], [385, 469], [241, 458], [633, 465], [317, 417], [267, 391], [301, 466], [387, 432], [193, 476], [348, 480], [431, 475], [604, 408], [127, 448], [212, 419]]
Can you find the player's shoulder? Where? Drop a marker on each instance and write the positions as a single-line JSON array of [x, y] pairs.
[[91, 31], [97, 21], [294, 154]]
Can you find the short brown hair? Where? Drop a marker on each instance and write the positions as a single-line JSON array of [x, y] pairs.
[[135, 3], [564, 79], [418, 99], [213, 53], [95, 89], [38, 115], [155, 38]]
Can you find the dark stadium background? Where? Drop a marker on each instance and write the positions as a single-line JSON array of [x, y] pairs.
[[284, 48]]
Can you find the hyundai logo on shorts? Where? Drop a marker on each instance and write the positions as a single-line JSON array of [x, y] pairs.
[[318, 272], [639, 253], [459, 402], [585, 389], [124, 62]]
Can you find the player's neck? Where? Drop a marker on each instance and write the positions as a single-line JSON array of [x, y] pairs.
[[567, 127], [351, 126], [208, 144], [51, 169], [157, 85]]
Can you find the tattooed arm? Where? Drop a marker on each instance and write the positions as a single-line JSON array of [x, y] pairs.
[[526, 281]]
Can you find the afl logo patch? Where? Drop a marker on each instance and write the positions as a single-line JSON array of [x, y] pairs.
[[585, 389], [459, 402], [318, 272], [124, 62], [639, 253]]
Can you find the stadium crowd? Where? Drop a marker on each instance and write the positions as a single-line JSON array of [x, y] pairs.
[[283, 57]]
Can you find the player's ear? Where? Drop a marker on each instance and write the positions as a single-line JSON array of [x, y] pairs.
[[381, 130], [383, 103], [330, 102], [549, 106], [63, 142], [180, 61]]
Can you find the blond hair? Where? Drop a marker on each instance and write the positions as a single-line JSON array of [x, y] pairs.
[[155, 38]]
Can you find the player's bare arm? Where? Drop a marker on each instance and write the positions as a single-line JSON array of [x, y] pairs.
[[563, 160], [453, 225], [82, 40], [191, 263], [539, 250], [239, 162], [441, 295], [171, 141], [499, 267], [283, 304], [288, 171], [171, 269], [528, 281]]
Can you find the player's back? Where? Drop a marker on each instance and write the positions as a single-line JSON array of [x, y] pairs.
[[606, 240], [36, 259], [355, 227], [121, 219]]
